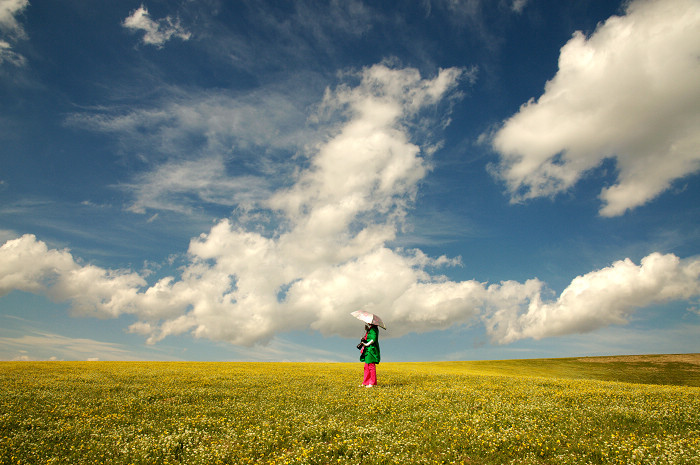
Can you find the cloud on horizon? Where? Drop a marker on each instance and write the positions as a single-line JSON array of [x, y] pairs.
[[40, 345], [211, 302], [629, 92], [323, 251]]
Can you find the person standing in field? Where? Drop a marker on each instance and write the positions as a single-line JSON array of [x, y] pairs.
[[370, 354]]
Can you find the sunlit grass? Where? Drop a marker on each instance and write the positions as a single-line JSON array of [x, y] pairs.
[[679, 369], [208, 413]]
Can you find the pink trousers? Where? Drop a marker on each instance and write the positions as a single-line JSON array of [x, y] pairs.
[[370, 374]]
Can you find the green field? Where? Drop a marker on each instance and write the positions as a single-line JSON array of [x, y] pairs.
[[642, 409]]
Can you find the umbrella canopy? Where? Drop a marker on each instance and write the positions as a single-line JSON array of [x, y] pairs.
[[369, 318]]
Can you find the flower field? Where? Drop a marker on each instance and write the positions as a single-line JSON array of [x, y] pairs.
[[209, 413]]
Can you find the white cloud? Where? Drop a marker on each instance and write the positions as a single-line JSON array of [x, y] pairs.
[[216, 121], [238, 288], [28, 265], [176, 185], [11, 30], [7, 55], [597, 299], [9, 9], [326, 252], [157, 32], [518, 5], [334, 222], [630, 91], [188, 140]]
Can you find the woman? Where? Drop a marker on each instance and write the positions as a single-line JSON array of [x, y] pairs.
[[369, 353]]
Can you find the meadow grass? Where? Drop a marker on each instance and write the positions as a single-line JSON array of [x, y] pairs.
[[452, 412], [673, 369]]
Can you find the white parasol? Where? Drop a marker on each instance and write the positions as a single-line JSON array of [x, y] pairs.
[[369, 318]]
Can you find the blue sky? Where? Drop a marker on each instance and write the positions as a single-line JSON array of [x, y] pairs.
[[229, 180]]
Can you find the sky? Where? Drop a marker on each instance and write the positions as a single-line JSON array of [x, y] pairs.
[[229, 180]]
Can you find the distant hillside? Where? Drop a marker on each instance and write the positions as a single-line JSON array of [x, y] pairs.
[[671, 369]]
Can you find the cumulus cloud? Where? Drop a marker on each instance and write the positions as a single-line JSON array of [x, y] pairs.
[[29, 265], [325, 252], [231, 291], [597, 299], [157, 32], [629, 92]]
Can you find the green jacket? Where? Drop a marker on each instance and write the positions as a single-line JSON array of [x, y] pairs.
[[371, 353]]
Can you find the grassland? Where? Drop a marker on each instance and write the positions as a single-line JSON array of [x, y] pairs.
[[671, 369], [559, 411]]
